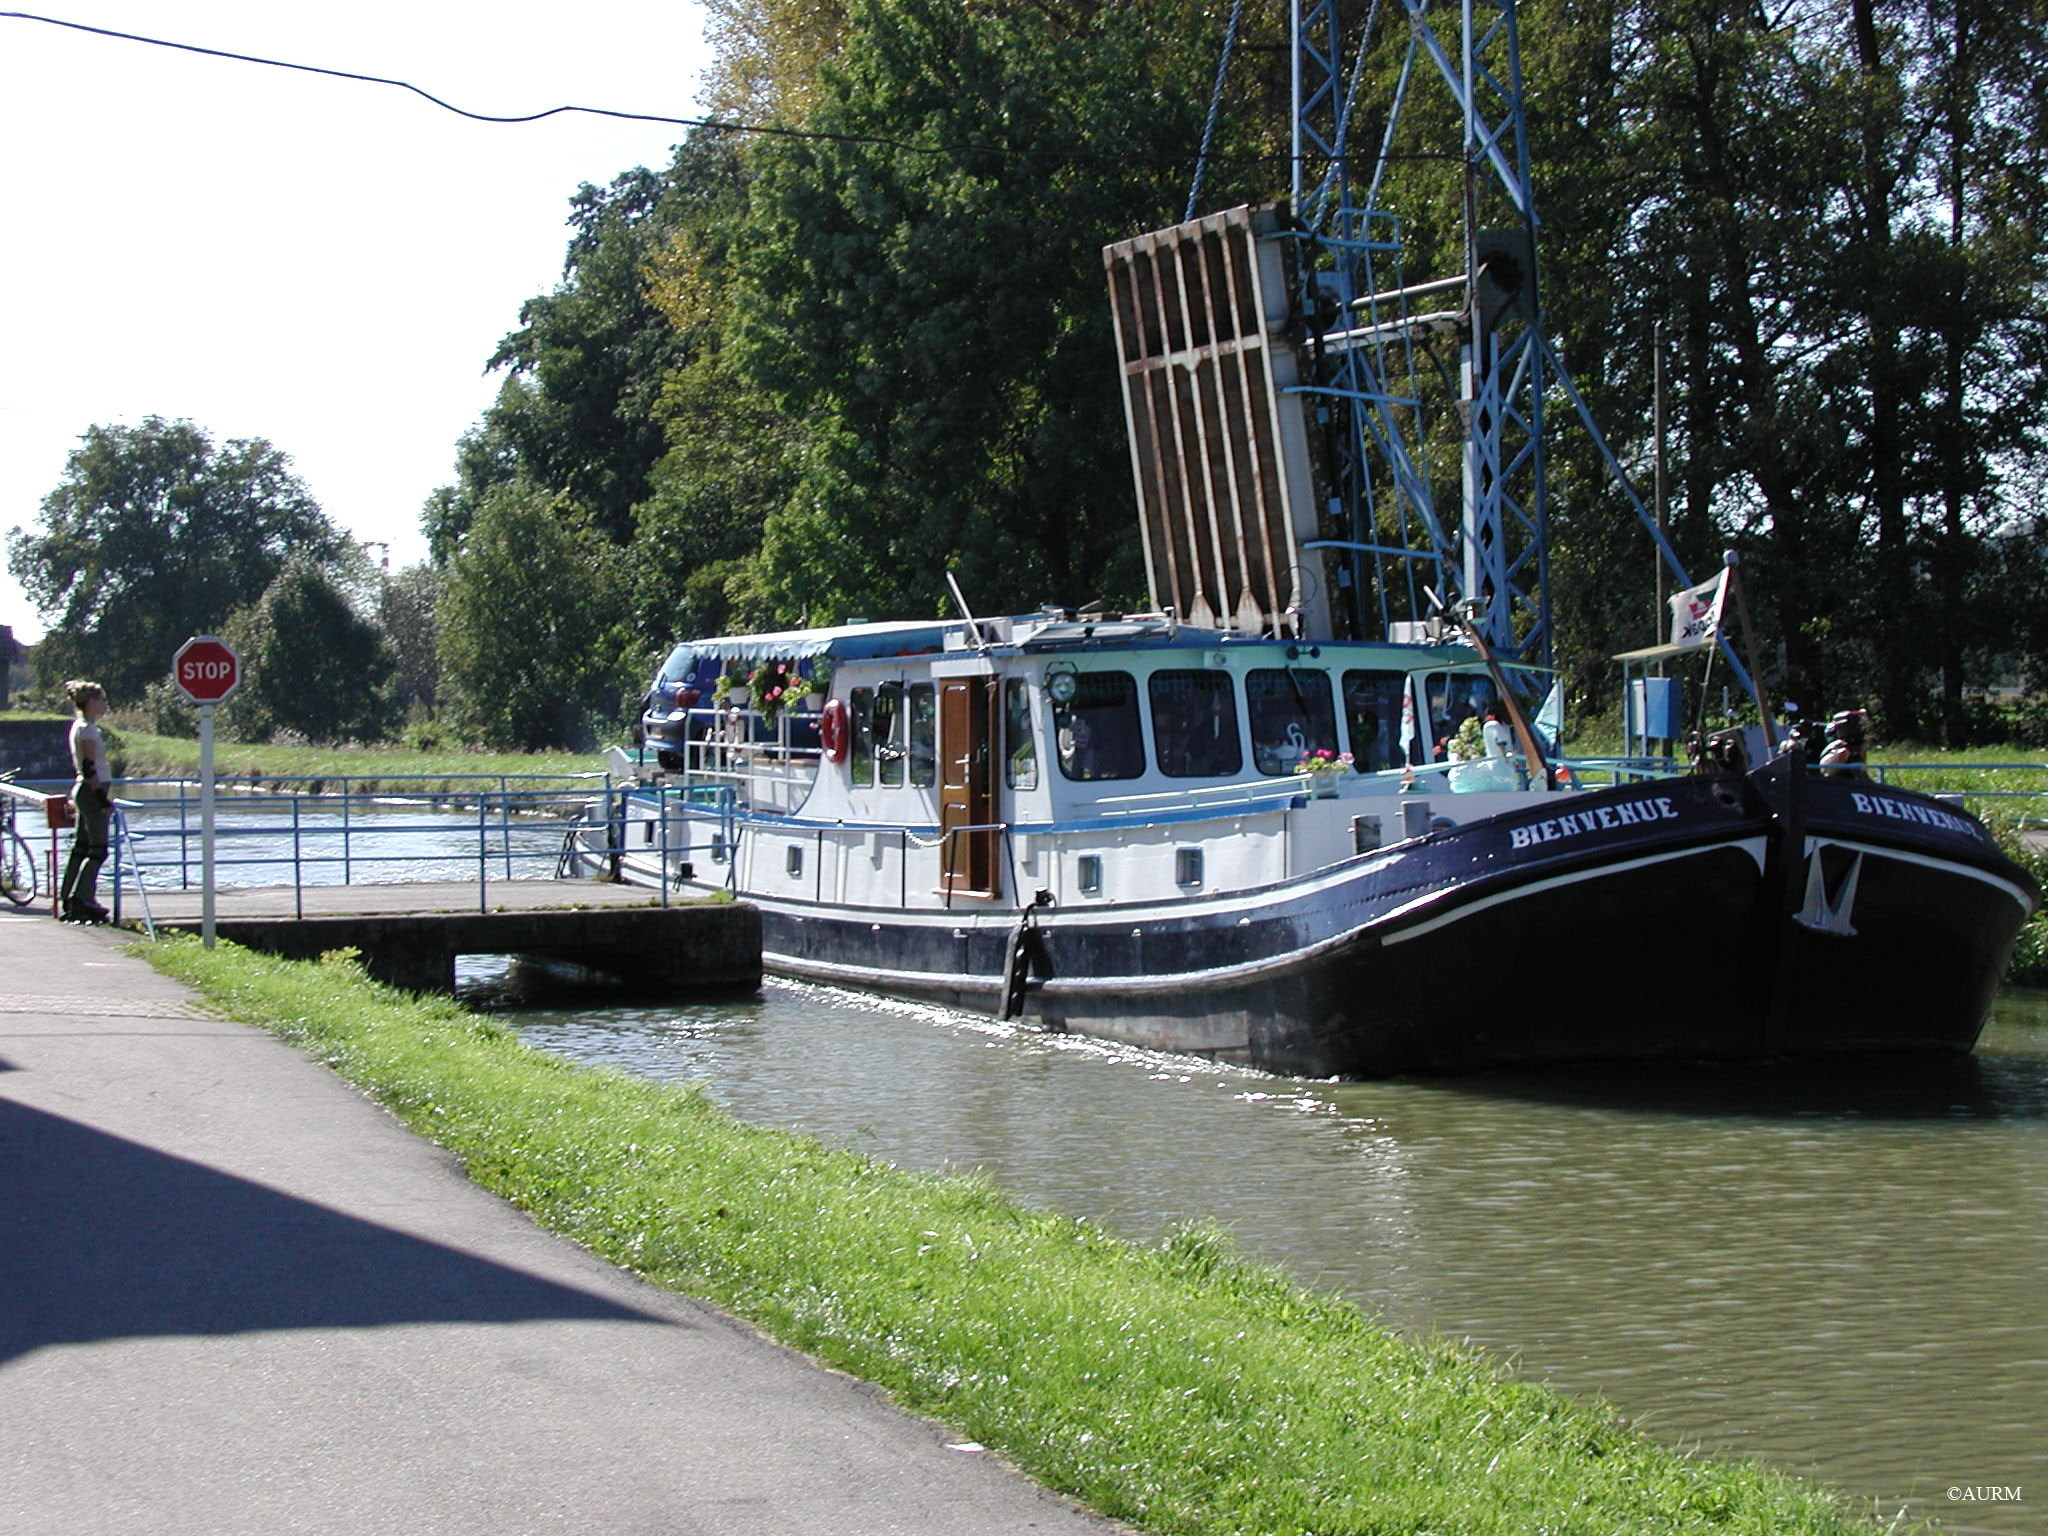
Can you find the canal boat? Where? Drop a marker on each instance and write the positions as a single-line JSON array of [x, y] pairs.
[[1298, 814], [1264, 851]]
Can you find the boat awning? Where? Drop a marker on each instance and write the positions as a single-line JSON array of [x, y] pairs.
[[845, 642], [1658, 653]]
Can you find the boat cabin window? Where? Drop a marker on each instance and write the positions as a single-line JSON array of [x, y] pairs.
[[924, 754], [1290, 714], [861, 716], [1372, 717], [889, 753], [1194, 724], [1454, 697], [1019, 744], [1097, 730]]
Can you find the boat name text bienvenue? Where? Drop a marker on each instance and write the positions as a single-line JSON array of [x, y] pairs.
[[1904, 810], [1627, 814]]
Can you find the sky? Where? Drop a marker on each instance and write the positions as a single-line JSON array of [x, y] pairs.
[[321, 263]]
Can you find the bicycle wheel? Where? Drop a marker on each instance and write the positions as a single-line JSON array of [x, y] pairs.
[[17, 869]]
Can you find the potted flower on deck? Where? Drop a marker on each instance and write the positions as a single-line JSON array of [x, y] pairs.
[[1324, 770]]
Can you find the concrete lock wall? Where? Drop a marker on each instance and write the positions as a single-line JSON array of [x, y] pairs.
[[41, 749], [713, 944]]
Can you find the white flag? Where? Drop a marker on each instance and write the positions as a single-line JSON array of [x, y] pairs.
[[1696, 612], [1408, 721]]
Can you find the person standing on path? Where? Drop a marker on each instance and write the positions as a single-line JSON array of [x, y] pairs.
[[92, 795]]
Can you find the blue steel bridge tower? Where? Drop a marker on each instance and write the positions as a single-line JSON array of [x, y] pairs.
[[1324, 441], [1430, 387]]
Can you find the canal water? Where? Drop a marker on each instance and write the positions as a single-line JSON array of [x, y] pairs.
[[280, 840], [1839, 1272]]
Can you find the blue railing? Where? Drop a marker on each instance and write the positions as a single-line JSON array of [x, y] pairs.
[[326, 831]]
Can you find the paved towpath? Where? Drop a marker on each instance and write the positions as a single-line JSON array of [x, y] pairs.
[[238, 1299]]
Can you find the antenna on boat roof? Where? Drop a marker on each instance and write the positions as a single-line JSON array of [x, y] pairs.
[[973, 626]]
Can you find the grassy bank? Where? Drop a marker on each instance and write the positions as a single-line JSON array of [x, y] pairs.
[[143, 756], [1177, 1388]]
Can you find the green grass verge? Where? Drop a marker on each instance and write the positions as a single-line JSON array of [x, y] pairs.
[[143, 756], [1178, 1388]]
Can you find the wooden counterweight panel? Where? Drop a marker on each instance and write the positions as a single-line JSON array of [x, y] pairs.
[[1220, 449]]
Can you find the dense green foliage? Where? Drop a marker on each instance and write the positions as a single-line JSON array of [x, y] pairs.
[[1826, 220], [532, 638], [1177, 1389], [1822, 207], [923, 287], [313, 666], [155, 535]]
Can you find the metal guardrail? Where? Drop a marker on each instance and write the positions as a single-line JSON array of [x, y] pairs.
[[305, 832]]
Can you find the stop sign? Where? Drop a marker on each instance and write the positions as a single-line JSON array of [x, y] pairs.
[[206, 670]]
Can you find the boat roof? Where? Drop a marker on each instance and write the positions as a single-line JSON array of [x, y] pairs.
[[842, 642], [1029, 633]]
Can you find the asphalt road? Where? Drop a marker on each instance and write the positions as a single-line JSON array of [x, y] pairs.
[[237, 1297]]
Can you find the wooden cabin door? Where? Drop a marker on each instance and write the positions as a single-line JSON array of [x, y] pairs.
[[967, 797]]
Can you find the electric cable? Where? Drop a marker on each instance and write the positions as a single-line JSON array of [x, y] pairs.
[[707, 123]]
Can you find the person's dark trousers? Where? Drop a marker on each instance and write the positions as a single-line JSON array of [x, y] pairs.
[[88, 850]]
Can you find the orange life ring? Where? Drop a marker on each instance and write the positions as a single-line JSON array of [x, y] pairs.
[[832, 731]]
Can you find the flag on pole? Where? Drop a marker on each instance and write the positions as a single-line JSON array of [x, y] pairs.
[[1549, 722], [1408, 731], [1696, 612]]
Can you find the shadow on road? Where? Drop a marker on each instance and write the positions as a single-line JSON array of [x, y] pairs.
[[101, 1237]]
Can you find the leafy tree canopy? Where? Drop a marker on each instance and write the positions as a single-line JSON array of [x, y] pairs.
[[156, 534], [800, 379], [925, 291], [314, 666], [535, 647]]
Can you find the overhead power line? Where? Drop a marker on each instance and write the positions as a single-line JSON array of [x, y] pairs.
[[716, 124]]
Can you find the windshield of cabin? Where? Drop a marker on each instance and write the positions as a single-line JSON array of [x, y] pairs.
[[1372, 716], [1194, 724], [1454, 698], [1097, 730], [1291, 716], [1020, 746]]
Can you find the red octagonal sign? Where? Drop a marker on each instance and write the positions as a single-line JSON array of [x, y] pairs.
[[206, 670]]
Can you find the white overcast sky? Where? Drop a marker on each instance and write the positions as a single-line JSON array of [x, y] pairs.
[[321, 263]]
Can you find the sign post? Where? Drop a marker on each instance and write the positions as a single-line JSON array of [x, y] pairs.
[[206, 671]]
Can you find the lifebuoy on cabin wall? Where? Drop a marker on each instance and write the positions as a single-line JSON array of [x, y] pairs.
[[832, 731]]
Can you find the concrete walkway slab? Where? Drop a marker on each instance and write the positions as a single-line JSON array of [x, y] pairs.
[[237, 1297]]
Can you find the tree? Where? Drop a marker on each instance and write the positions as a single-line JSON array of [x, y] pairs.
[[923, 289], [536, 648], [770, 54], [1832, 212], [155, 535], [405, 614], [592, 356], [313, 666]]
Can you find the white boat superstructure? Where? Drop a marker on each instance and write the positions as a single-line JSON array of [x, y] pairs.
[[1261, 850], [1097, 761]]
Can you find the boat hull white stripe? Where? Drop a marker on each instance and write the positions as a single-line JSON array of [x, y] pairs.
[[1926, 861], [1754, 847], [1222, 975]]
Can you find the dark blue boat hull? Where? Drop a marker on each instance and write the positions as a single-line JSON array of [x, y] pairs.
[[1678, 920]]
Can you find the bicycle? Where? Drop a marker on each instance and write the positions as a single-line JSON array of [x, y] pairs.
[[17, 859]]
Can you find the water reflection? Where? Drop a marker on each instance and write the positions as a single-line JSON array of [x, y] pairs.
[[1837, 1272]]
